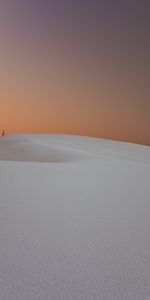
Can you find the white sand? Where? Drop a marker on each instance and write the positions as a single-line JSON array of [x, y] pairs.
[[74, 219]]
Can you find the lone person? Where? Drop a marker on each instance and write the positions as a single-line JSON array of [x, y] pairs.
[[3, 133]]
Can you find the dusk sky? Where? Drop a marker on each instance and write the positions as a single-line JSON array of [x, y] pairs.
[[77, 67]]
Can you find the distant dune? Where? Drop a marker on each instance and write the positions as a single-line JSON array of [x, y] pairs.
[[39, 149], [64, 148], [74, 219]]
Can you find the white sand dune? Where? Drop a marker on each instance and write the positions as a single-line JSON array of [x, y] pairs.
[[74, 219], [38, 149], [63, 148]]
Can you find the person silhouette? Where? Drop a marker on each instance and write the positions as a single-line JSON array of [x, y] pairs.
[[3, 133]]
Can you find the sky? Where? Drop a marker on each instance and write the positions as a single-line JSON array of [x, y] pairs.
[[76, 67]]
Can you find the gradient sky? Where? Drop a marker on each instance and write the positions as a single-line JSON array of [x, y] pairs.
[[76, 66]]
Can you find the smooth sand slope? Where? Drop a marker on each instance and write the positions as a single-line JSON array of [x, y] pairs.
[[74, 219]]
